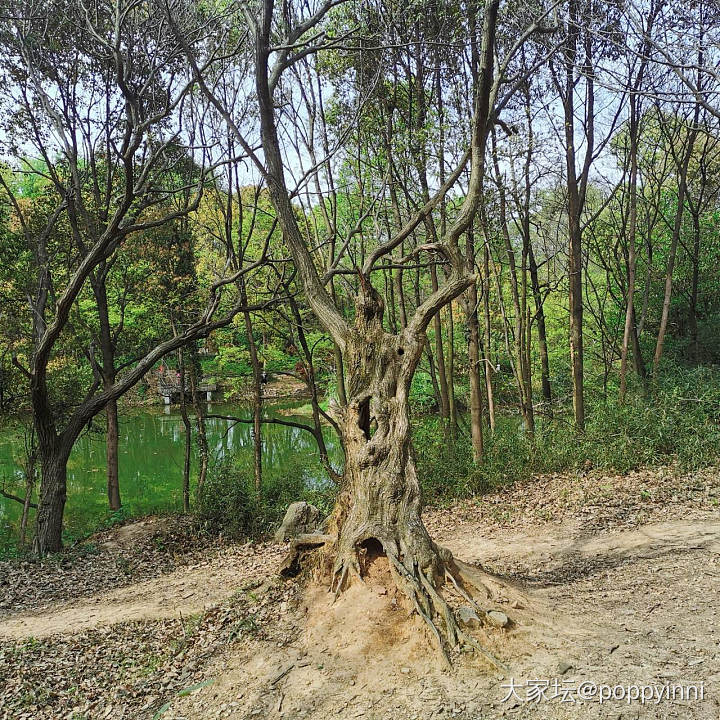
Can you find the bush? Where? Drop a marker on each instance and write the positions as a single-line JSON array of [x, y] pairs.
[[679, 422], [229, 503]]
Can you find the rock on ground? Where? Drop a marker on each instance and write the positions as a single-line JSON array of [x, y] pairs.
[[300, 518]]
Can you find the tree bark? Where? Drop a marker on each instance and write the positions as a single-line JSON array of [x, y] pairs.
[[541, 330], [111, 444], [30, 479], [474, 361], [440, 354], [695, 283], [199, 408], [187, 448], [53, 494], [108, 374], [380, 500], [487, 364], [257, 402]]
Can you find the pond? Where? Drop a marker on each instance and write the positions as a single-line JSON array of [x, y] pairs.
[[151, 461]]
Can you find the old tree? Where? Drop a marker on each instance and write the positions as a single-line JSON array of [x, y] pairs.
[[379, 506]]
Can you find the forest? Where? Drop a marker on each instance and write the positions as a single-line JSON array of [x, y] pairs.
[[441, 277]]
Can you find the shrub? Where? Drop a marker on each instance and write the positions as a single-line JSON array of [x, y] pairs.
[[229, 502], [678, 422]]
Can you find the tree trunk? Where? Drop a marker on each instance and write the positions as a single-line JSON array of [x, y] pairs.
[[53, 493], [694, 339], [313, 388], [111, 441], [522, 373], [632, 259], [188, 433], [197, 402], [379, 508], [108, 374], [474, 361], [440, 353], [30, 472], [677, 228], [451, 373], [487, 364], [257, 406], [542, 332]]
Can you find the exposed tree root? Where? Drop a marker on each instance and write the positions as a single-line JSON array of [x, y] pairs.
[[419, 582]]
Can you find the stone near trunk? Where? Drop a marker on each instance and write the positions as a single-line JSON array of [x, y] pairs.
[[497, 618], [468, 617], [301, 518]]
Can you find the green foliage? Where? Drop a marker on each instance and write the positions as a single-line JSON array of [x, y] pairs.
[[422, 394], [679, 423], [229, 502]]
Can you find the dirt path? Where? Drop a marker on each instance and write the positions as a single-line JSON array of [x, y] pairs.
[[191, 590], [184, 592], [617, 579]]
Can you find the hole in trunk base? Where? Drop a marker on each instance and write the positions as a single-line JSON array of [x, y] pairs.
[[372, 548], [374, 565]]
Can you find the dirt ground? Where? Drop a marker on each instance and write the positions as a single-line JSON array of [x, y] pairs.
[[611, 585]]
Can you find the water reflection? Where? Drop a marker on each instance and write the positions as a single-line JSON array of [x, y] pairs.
[[151, 460]]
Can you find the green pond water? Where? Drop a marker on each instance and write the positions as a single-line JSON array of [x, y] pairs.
[[151, 460]]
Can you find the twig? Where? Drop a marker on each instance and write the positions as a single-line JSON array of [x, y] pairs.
[[10, 496]]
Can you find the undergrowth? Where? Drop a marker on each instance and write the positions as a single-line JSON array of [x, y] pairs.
[[677, 421]]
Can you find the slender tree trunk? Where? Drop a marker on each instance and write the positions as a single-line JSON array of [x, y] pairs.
[[313, 388], [692, 314], [451, 373], [201, 428], [108, 373], [428, 349], [112, 440], [576, 309], [522, 373], [487, 364], [474, 361], [677, 227], [188, 433], [576, 191], [541, 330], [30, 478], [440, 354], [257, 403], [632, 257]]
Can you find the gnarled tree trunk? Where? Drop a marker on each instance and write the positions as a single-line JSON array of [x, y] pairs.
[[380, 501]]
